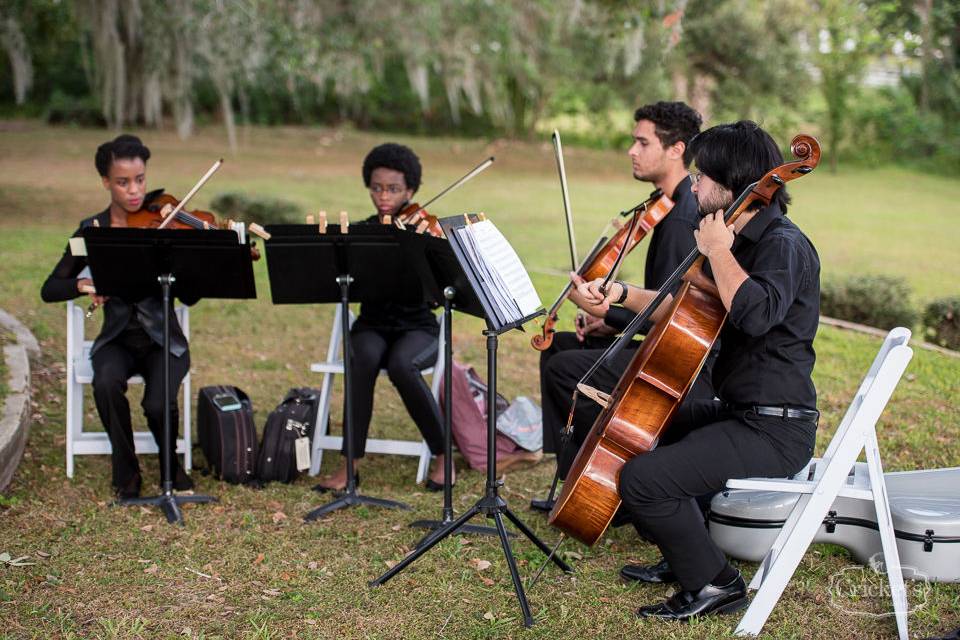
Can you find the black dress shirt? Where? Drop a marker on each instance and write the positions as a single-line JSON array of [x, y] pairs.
[[119, 315], [672, 241], [766, 346], [395, 316]]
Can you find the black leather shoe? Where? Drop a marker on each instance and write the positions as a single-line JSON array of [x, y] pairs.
[[181, 481], [322, 489], [652, 573], [711, 599], [430, 485], [542, 505], [130, 490]]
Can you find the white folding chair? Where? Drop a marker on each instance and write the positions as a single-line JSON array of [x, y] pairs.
[[334, 366], [80, 372], [826, 478]]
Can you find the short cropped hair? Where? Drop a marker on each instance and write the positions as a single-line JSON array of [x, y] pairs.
[[737, 155], [673, 122], [397, 157], [123, 146]]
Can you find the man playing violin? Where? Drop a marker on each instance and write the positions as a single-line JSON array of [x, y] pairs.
[[131, 339], [401, 338], [764, 422], [659, 155]]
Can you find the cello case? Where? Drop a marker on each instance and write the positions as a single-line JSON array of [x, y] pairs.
[[924, 505]]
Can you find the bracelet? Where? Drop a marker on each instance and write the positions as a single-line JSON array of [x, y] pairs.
[[623, 296]]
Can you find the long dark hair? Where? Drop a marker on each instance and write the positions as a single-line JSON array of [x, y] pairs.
[[736, 155]]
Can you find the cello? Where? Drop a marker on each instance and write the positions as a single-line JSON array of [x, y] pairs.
[[660, 374]]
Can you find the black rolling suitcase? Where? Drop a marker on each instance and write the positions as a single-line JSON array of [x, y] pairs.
[[288, 426], [228, 437]]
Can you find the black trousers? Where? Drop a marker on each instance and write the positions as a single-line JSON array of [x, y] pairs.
[[561, 368], [659, 488], [133, 352], [404, 354]]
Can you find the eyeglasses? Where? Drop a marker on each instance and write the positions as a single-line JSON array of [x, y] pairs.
[[695, 177], [392, 189]]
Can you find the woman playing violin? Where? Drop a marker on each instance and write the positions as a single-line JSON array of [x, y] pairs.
[[131, 338], [400, 338]]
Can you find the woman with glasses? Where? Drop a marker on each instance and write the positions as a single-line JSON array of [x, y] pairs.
[[401, 338]]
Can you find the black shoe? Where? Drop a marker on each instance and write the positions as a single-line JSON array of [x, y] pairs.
[[652, 573], [181, 481], [322, 489], [542, 505], [710, 599], [430, 485], [130, 490]]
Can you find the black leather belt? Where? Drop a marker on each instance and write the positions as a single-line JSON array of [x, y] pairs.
[[809, 415]]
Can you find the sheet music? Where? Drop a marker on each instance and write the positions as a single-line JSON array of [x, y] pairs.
[[501, 307], [503, 260]]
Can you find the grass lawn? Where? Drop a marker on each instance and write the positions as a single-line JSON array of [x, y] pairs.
[[248, 567]]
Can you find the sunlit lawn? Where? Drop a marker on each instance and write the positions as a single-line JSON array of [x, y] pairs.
[[124, 573]]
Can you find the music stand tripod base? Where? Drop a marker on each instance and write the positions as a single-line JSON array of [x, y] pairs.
[[169, 503], [490, 505], [349, 496], [449, 293]]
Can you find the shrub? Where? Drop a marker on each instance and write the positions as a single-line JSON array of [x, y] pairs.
[[941, 322], [259, 209], [878, 301], [81, 112]]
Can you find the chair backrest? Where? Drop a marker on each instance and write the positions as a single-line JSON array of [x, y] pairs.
[[895, 338], [76, 326]]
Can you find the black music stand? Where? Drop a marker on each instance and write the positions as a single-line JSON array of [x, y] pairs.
[[363, 263], [134, 264], [445, 283], [492, 505]]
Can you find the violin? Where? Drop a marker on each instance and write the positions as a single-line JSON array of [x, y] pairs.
[[163, 211], [660, 373], [155, 213], [607, 255], [413, 215]]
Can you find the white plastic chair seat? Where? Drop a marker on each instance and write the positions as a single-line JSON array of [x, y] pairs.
[[332, 366], [80, 373]]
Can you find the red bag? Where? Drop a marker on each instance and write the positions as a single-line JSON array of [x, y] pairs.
[[469, 417]]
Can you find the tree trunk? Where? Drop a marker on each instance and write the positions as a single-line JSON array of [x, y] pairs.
[[15, 44]]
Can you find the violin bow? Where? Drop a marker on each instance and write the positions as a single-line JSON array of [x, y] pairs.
[[568, 212], [459, 183], [212, 170]]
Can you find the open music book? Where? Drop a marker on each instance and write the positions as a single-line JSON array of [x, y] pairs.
[[496, 271]]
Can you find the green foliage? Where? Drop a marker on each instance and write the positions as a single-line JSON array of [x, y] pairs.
[[260, 209], [874, 300], [888, 128], [65, 109], [941, 322]]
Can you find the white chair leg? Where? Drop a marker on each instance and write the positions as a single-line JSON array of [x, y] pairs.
[[424, 463], [323, 421], [785, 564], [785, 532], [888, 540], [187, 425]]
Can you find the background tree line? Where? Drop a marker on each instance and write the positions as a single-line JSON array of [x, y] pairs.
[[497, 67]]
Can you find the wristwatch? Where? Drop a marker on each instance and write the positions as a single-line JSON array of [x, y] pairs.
[[623, 296]]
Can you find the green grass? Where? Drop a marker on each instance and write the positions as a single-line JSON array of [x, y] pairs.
[[121, 573]]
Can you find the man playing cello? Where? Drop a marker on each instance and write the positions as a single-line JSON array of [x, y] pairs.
[[768, 276]]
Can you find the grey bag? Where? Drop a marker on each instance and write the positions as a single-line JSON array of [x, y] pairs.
[[522, 422]]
